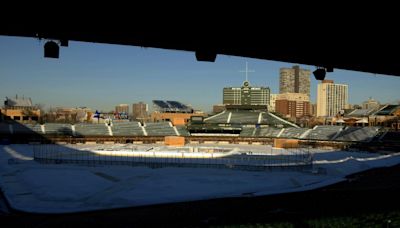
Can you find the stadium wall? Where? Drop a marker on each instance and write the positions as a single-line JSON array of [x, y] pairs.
[[175, 118]]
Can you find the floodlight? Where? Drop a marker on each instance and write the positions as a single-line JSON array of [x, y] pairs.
[[51, 50], [320, 73], [206, 56]]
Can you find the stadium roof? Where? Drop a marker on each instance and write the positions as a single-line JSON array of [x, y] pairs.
[[388, 110], [360, 112], [171, 106], [341, 39], [20, 102]]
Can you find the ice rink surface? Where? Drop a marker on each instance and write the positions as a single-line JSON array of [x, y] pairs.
[[58, 188]]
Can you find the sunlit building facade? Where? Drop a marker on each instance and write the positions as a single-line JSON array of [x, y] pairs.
[[294, 80], [331, 98], [246, 95]]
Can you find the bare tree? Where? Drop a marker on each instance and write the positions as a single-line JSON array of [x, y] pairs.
[[49, 116], [74, 119], [41, 108]]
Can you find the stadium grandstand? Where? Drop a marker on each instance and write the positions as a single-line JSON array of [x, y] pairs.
[[241, 122], [388, 110], [357, 134], [249, 118], [324, 132], [132, 128], [385, 116], [388, 116], [252, 126], [91, 130], [160, 129], [57, 129], [19, 109], [360, 112]]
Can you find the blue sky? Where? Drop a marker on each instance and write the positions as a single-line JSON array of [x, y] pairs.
[[100, 76]]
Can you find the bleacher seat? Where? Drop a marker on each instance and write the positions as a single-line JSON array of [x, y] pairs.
[[358, 134], [127, 129], [218, 118], [269, 132], [58, 129], [91, 130], [244, 117], [159, 129], [182, 131], [35, 128], [292, 133], [324, 132]]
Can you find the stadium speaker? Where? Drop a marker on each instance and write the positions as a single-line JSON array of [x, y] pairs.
[[206, 56], [51, 50], [319, 74]]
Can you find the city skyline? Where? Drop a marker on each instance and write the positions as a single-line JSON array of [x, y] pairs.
[[101, 76]]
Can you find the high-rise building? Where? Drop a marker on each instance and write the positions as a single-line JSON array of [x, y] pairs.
[[139, 111], [122, 108], [370, 104], [293, 105], [331, 98], [272, 102], [246, 95], [294, 80], [121, 112]]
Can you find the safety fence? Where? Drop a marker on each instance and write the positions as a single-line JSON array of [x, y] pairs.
[[294, 158]]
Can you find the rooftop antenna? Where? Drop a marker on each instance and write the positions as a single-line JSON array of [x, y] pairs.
[[247, 71]]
